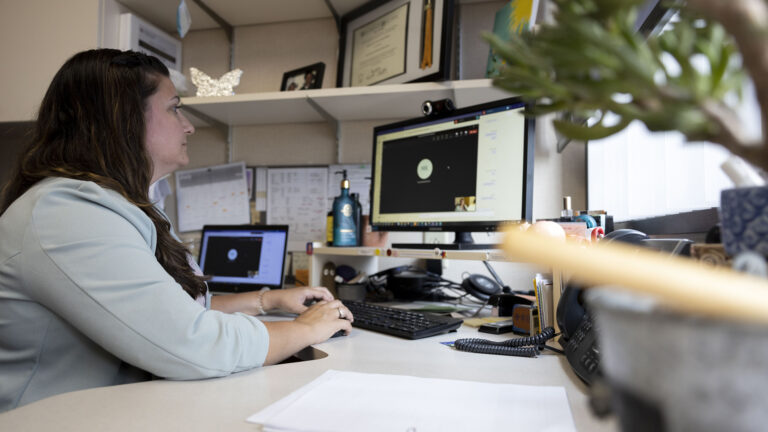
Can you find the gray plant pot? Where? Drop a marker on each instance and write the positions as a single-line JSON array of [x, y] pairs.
[[673, 372]]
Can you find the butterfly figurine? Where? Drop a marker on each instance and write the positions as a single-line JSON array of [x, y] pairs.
[[207, 86]]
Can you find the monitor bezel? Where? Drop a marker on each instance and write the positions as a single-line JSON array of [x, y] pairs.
[[464, 226]]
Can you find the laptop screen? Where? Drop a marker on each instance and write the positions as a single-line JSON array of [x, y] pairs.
[[243, 257]]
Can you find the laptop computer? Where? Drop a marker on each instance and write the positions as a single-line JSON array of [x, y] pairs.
[[241, 258]]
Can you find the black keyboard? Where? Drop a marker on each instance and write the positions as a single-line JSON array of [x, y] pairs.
[[399, 322]]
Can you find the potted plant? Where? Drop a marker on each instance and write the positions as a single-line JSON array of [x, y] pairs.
[[590, 61]]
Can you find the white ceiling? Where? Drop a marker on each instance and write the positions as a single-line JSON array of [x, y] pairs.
[[162, 13]]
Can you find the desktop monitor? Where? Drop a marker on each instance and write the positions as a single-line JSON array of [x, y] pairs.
[[466, 171]]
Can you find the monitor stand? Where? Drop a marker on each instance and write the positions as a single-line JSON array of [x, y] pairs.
[[463, 241]]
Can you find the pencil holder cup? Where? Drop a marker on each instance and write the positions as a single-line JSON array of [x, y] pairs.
[[669, 371], [744, 220]]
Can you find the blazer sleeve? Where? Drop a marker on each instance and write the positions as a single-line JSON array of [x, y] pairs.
[[91, 261]]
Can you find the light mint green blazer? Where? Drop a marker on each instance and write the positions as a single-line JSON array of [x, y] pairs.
[[84, 302]]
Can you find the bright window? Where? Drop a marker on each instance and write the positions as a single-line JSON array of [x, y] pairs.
[[638, 173]]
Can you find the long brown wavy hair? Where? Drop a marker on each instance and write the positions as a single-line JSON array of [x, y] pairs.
[[91, 127]]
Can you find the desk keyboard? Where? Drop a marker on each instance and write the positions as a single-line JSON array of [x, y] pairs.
[[399, 322]]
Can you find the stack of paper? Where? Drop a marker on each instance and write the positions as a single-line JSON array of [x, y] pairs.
[[351, 401]]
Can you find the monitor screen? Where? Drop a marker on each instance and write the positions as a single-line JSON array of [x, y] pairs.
[[466, 171], [243, 257]]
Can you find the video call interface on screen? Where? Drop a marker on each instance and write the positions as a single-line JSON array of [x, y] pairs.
[[244, 257], [459, 169]]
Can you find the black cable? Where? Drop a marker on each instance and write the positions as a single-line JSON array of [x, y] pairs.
[[519, 347], [482, 306], [475, 345], [539, 339], [559, 351], [431, 274], [433, 284]]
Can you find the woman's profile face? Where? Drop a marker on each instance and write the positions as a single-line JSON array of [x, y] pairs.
[[167, 131]]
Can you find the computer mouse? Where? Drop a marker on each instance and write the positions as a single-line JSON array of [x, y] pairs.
[[338, 333]]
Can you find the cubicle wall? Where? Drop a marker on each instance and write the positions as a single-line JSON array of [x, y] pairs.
[[265, 51]]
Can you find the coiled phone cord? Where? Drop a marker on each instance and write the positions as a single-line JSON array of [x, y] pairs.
[[519, 347]]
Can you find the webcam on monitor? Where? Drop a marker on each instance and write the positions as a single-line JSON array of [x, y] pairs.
[[433, 108]]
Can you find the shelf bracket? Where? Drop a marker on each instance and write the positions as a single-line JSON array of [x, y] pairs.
[[320, 110], [332, 121], [228, 29], [221, 126]]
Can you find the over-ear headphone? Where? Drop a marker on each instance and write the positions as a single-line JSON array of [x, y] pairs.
[[480, 286]]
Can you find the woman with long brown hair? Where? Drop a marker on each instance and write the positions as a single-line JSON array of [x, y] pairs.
[[95, 289]]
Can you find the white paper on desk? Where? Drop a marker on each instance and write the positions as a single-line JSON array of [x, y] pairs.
[[352, 401]]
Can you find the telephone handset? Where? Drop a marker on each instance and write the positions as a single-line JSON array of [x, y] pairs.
[[577, 334], [577, 327]]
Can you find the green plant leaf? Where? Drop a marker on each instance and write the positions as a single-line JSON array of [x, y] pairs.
[[591, 53]]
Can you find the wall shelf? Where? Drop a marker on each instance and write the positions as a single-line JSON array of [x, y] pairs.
[[436, 253], [342, 104], [366, 259]]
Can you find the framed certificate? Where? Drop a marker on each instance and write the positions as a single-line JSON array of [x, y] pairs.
[[395, 41]]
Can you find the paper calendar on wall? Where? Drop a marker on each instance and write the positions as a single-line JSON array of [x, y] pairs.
[[216, 195], [297, 197]]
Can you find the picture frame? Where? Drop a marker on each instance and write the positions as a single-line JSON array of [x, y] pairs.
[[394, 42], [304, 78]]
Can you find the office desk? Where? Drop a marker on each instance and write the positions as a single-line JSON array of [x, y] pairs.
[[224, 403]]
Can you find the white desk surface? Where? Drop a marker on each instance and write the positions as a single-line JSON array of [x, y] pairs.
[[225, 403]]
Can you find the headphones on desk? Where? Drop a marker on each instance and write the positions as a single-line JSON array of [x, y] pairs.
[[480, 286], [477, 285]]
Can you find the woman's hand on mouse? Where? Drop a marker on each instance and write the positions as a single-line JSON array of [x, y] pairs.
[[293, 300], [326, 318], [315, 325]]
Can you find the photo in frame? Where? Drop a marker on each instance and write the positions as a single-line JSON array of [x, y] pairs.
[[394, 42], [304, 78]]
